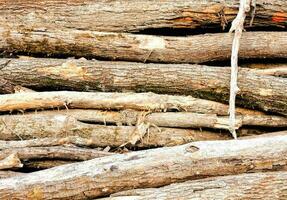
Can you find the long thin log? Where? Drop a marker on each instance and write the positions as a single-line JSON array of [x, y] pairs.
[[112, 101], [269, 185], [64, 153], [207, 82], [141, 48], [121, 15], [150, 168], [15, 127], [166, 119]]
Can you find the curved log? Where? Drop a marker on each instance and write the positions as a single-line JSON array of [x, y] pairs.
[[151, 168]]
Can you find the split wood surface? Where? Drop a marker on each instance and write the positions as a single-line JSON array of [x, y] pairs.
[[141, 48], [133, 16], [150, 168], [268, 185]]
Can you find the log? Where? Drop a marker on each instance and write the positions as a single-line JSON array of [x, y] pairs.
[[167, 119], [151, 168], [206, 82], [141, 48], [112, 101], [269, 185], [134, 16], [15, 127], [8, 174], [56, 152], [11, 161]]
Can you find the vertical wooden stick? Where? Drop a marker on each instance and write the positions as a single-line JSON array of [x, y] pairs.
[[238, 27]]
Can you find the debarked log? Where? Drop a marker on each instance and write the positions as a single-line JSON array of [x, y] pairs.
[[268, 185], [262, 91], [141, 48], [61, 126], [151, 168], [112, 101], [133, 16]]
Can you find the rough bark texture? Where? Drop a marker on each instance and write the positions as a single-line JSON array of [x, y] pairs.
[[141, 48], [268, 69], [151, 168], [15, 127], [265, 92], [269, 185], [166, 119], [113, 101], [121, 15]]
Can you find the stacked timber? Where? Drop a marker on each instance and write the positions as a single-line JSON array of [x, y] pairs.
[[129, 100]]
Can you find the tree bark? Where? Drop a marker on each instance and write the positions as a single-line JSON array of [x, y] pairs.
[[8, 174], [112, 101], [166, 119], [264, 92], [60, 153], [269, 185], [141, 48], [151, 168], [15, 127], [133, 16]]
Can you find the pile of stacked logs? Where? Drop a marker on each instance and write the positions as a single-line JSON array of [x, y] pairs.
[[129, 100]]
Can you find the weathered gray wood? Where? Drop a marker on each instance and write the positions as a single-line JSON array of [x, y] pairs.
[[268, 185], [141, 48], [122, 15], [264, 92], [151, 168], [8, 174], [16, 127]]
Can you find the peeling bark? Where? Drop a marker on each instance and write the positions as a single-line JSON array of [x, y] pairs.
[[15, 127], [112, 101], [269, 185], [263, 92], [133, 16], [141, 48], [151, 168]]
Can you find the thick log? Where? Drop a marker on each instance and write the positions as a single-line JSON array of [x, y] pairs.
[[269, 185], [113, 101], [15, 127], [141, 48], [206, 82], [132, 16], [166, 119], [150, 168], [60, 153]]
